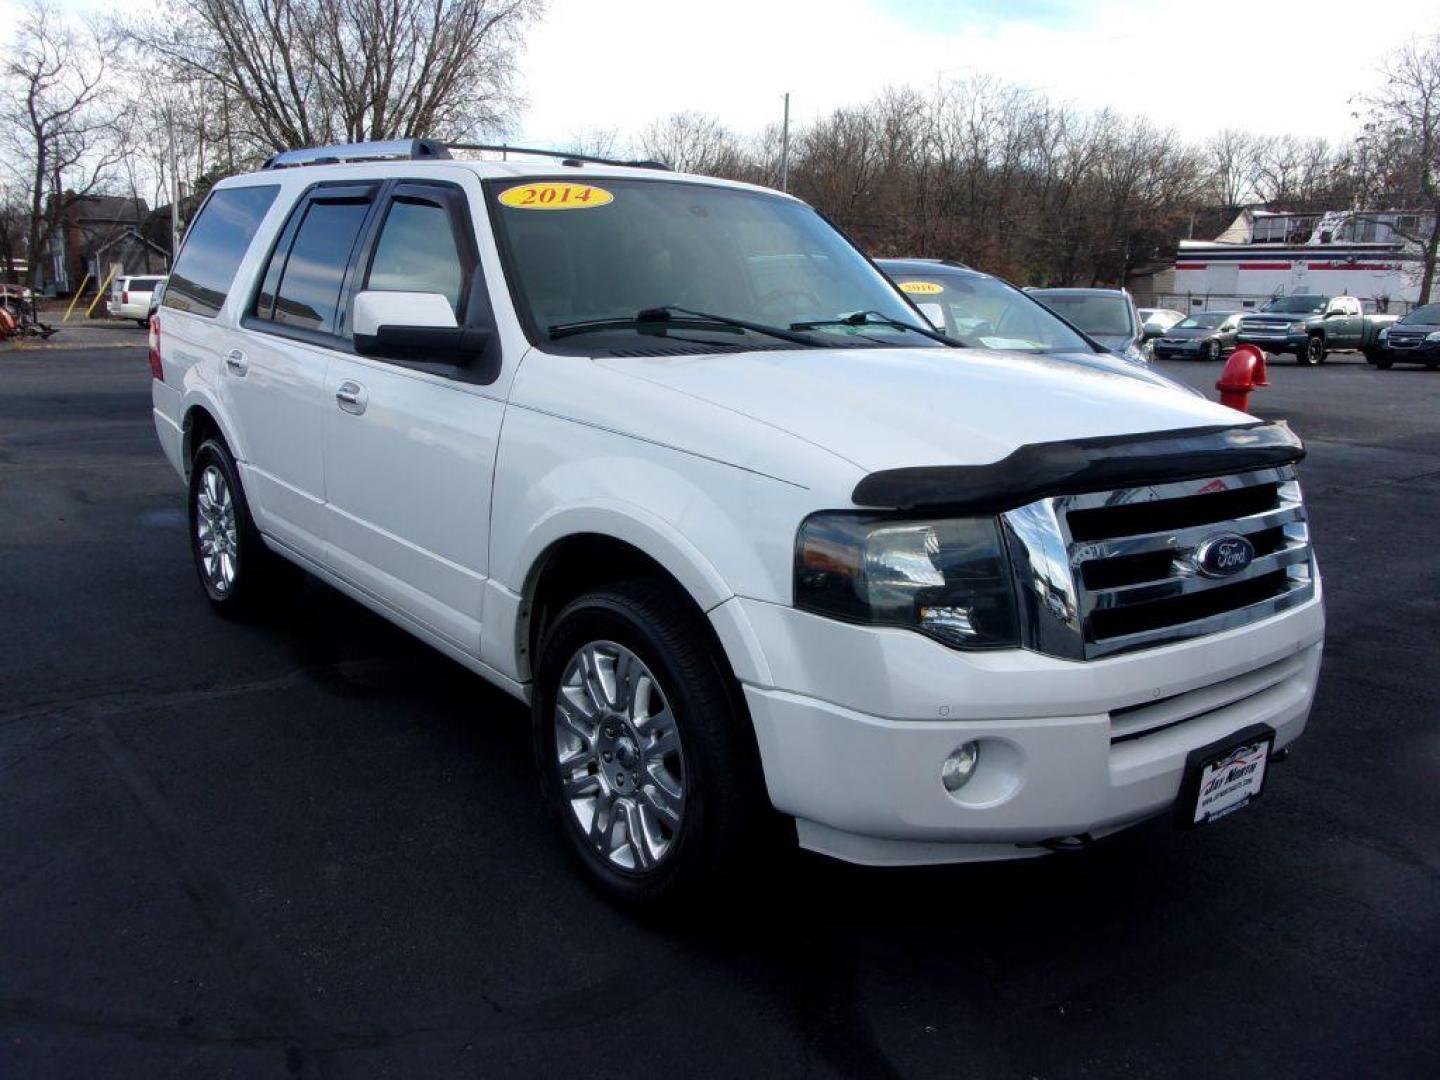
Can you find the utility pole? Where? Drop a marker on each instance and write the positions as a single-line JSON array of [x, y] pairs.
[[785, 147], [174, 190]]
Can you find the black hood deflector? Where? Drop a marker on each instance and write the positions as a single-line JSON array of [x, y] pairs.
[[1077, 466]]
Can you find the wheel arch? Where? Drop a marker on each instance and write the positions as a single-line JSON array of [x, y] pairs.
[[202, 419], [574, 551]]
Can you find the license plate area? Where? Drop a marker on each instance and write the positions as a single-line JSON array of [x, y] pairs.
[[1225, 776]]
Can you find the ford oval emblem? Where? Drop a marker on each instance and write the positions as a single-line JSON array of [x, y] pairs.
[[1223, 555]]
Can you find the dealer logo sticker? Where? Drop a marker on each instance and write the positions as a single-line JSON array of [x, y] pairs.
[[1224, 555]]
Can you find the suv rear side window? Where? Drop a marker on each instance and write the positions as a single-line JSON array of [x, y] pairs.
[[214, 247]]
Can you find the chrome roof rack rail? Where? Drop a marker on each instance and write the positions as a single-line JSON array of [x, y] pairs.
[[382, 150], [567, 157]]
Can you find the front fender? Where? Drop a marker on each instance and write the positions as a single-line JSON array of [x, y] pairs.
[[633, 524], [719, 530]]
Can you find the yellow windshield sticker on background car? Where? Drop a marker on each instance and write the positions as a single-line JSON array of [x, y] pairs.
[[921, 288], [555, 196]]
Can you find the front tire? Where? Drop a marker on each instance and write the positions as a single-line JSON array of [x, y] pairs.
[[1212, 350], [1314, 352], [644, 750], [239, 574]]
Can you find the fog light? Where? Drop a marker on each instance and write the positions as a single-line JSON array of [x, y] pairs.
[[959, 767]]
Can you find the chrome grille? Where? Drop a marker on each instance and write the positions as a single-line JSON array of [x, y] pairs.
[[1113, 571]]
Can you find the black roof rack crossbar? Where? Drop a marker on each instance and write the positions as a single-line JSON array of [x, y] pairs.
[[564, 155]]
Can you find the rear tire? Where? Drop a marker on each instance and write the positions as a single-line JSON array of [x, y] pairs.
[[644, 750], [240, 575]]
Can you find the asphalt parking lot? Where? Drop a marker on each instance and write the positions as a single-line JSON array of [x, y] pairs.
[[316, 848]]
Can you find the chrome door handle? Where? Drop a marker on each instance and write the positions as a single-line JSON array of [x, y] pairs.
[[351, 397], [236, 362]]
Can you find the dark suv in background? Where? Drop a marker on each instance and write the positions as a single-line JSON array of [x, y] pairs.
[[1107, 315], [1415, 339]]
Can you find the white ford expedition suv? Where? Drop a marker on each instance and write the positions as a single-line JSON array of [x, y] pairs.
[[669, 459]]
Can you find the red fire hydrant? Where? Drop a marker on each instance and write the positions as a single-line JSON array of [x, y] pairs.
[[1244, 372]]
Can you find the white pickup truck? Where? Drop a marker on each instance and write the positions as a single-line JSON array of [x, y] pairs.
[[670, 460]]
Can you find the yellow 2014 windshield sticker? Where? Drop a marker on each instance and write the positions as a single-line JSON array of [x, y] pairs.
[[921, 288], [555, 196]]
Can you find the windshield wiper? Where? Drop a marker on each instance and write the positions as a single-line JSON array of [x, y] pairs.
[[664, 317], [876, 318]]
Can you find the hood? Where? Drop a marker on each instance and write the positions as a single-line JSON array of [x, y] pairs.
[[891, 408], [1120, 366], [1177, 334]]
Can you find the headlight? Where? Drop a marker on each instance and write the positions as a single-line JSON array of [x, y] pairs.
[[1384, 332], [1433, 337], [949, 579]]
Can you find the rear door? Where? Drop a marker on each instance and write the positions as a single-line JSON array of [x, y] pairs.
[[410, 446], [197, 317], [275, 379]]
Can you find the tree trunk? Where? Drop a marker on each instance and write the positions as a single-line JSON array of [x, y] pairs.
[[1428, 259]]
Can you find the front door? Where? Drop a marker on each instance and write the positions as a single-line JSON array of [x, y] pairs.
[[410, 447]]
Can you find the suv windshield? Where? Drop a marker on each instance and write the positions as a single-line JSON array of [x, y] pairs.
[[617, 253], [1429, 315], [989, 314], [1101, 314], [1297, 304]]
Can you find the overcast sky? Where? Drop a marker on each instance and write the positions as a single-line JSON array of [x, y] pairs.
[[618, 64], [600, 64]]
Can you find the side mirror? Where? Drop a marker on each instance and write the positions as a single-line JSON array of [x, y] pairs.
[[414, 326]]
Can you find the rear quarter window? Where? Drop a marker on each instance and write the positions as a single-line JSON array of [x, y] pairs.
[[216, 243]]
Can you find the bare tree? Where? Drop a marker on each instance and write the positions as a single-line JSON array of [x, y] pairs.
[[692, 142], [59, 124], [1406, 117], [14, 228], [305, 72], [1230, 155]]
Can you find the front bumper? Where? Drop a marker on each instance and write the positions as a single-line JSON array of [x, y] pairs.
[[1275, 342], [853, 740], [1182, 350], [1425, 353]]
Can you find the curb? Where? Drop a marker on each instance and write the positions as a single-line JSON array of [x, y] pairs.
[[52, 346]]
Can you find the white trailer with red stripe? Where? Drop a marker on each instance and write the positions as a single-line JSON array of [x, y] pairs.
[[1241, 276]]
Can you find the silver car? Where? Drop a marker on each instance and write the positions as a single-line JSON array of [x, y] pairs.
[[1206, 335]]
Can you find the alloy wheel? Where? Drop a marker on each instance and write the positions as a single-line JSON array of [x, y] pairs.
[[618, 755], [215, 530]]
